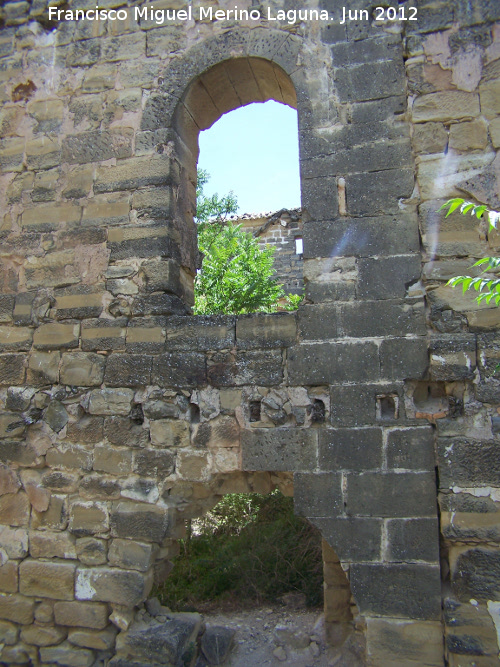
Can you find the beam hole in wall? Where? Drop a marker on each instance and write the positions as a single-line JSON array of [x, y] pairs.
[[387, 407], [254, 409]]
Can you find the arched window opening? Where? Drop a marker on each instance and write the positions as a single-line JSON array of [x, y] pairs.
[[225, 87]]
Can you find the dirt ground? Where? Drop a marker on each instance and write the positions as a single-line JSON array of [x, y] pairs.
[[269, 636]]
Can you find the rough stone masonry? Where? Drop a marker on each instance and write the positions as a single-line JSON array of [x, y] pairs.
[[376, 405]]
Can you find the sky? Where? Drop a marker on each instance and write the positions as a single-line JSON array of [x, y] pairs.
[[254, 152]]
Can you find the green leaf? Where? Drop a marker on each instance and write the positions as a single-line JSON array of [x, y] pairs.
[[452, 205]]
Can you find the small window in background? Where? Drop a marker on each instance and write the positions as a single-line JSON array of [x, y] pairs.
[[299, 246]]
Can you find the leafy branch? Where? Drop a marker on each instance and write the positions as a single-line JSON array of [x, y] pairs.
[[487, 286]]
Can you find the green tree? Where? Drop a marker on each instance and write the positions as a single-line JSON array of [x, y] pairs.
[[486, 284], [236, 274]]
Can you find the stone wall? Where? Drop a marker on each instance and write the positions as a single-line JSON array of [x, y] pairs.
[[123, 415], [280, 230]]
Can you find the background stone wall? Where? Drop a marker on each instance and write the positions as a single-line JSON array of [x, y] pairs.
[[280, 230], [122, 415]]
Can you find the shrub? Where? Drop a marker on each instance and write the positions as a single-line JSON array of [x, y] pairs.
[[249, 547]]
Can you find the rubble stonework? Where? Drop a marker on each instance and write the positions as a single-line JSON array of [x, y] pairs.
[[122, 415]]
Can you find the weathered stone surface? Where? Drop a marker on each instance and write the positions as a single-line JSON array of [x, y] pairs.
[[429, 138], [70, 456], [279, 449], [354, 539], [113, 461], [138, 521], [154, 463], [125, 431], [12, 369], [17, 608], [101, 640], [488, 95], [91, 551], [163, 644], [82, 369], [218, 432], [15, 338], [88, 518], [387, 278], [9, 480], [43, 368], [254, 367], [416, 590], [86, 430], [402, 358], [391, 494], [132, 555], [394, 642], [169, 433], [469, 135], [8, 633], [81, 614], [317, 494], [55, 517], [109, 584], [15, 509], [446, 105], [200, 332], [468, 526], [97, 146], [135, 173], [100, 334], [260, 330], [475, 573], [110, 401], [40, 635], [350, 449], [56, 336], [66, 653], [216, 643], [9, 577], [54, 579], [467, 462], [19, 398], [411, 448], [56, 416], [413, 539], [128, 370], [14, 541], [48, 544], [186, 369], [326, 363]]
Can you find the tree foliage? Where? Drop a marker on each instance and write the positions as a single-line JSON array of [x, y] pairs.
[[237, 275], [486, 284]]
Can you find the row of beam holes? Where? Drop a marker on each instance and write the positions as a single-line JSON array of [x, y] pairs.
[[316, 410]]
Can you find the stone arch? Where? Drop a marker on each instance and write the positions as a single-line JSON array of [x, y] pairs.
[[341, 615], [227, 72]]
